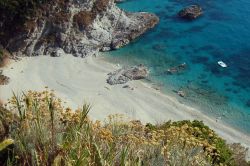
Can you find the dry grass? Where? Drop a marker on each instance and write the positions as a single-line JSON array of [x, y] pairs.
[[46, 133]]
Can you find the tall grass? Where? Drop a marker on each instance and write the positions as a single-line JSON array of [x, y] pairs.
[[46, 133]]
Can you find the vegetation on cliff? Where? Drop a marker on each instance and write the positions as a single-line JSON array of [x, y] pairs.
[[13, 14], [19, 15], [38, 130]]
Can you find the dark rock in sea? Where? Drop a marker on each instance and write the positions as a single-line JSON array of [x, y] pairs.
[[207, 48], [196, 29], [202, 76], [204, 81], [200, 59], [183, 47], [235, 91], [158, 47], [176, 69], [191, 12], [218, 16], [126, 74], [248, 103]]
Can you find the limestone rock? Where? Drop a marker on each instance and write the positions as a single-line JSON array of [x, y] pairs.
[[123, 75], [81, 28]]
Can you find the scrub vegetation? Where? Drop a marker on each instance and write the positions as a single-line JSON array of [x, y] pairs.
[[37, 130]]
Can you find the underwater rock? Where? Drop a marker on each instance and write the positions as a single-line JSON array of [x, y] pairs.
[[158, 47], [177, 69], [126, 74], [181, 93], [191, 12], [248, 103]]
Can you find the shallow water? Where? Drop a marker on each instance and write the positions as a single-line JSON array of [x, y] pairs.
[[222, 33]]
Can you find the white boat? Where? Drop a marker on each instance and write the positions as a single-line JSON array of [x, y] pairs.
[[222, 64]]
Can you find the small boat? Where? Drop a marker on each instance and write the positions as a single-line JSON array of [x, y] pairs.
[[222, 64]]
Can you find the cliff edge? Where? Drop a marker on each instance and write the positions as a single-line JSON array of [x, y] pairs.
[[78, 27]]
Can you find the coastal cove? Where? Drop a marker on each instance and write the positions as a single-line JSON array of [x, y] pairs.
[[84, 80], [220, 34], [125, 82]]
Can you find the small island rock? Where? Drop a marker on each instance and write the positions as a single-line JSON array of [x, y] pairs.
[[191, 12]]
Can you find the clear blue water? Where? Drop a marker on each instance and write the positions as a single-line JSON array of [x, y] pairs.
[[222, 33]]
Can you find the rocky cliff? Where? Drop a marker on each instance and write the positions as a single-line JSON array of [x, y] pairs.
[[79, 27]]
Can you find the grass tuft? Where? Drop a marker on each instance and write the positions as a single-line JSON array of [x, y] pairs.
[[46, 133]]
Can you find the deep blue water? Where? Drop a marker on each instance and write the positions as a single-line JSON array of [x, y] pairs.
[[222, 33]]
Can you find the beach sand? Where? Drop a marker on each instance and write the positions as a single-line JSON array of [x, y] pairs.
[[79, 80]]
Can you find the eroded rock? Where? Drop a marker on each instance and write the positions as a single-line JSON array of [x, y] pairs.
[[81, 28], [123, 75]]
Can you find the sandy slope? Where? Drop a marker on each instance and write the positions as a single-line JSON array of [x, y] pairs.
[[76, 80]]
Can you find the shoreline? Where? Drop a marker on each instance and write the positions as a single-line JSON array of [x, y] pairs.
[[76, 80]]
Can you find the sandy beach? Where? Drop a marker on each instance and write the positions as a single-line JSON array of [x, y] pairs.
[[78, 80]]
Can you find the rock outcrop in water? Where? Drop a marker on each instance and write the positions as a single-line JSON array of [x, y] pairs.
[[191, 12], [126, 74], [119, 1], [78, 27]]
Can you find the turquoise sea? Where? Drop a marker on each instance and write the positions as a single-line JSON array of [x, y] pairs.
[[222, 33]]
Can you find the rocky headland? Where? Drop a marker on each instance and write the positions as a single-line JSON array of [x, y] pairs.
[[78, 27]]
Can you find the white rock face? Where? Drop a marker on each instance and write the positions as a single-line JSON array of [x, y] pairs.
[[108, 27]]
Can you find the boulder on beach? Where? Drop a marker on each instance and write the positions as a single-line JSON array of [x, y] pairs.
[[191, 12], [3, 79], [125, 74]]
